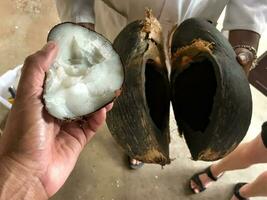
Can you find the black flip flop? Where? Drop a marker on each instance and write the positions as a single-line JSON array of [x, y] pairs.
[[236, 191], [198, 182], [135, 166]]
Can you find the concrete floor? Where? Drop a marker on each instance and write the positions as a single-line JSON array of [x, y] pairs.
[[101, 172]]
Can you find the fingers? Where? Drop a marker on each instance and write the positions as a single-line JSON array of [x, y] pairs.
[[35, 66], [93, 123], [73, 132], [109, 107], [73, 129], [84, 132], [245, 58], [89, 26]]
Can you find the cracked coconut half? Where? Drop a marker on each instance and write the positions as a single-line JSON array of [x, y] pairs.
[[86, 75]]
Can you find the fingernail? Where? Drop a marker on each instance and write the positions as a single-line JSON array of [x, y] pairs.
[[49, 46], [242, 57]]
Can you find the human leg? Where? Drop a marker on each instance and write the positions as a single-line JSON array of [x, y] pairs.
[[245, 155], [257, 188]]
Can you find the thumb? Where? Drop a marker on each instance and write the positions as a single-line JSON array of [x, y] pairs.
[[243, 59], [34, 68]]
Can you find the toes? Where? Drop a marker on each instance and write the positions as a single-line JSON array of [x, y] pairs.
[[196, 190], [234, 198], [194, 187], [192, 184], [133, 161]]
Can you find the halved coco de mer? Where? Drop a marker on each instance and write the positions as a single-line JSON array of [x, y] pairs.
[[208, 89], [86, 75], [139, 120], [210, 92]]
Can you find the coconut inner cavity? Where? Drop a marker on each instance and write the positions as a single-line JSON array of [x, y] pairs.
[[85, 75]]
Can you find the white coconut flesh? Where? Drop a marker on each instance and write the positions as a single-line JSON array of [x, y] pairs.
[[85, 75]]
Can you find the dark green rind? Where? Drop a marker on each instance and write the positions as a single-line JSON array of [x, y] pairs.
[[139, 120], [231, 108]]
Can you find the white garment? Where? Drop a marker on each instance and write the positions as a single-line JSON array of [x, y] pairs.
[[110, 16], [76, 10]]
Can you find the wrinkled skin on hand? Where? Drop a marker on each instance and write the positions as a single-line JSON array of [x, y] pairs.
[[46, 147]]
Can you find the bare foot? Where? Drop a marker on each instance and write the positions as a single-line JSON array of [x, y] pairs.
[[135, 164], [240, 190], [234, 198], [204, 179]]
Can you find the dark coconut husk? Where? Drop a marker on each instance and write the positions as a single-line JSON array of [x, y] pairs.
[[210, 92], [139, 120]]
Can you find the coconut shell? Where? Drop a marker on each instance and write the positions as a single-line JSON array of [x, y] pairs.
[[139, 120], [89, 28], [209, 91]]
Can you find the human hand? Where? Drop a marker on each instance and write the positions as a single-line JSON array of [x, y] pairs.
[[89, 26], [245, 58], [36, 146], [245, 44]]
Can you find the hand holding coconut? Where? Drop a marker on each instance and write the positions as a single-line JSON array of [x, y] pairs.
[[245, 44], [37, 151]]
